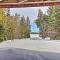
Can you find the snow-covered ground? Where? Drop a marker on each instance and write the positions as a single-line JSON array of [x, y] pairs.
[[39, 45]]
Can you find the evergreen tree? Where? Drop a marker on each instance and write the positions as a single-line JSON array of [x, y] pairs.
[[40, 22], [28, 26]]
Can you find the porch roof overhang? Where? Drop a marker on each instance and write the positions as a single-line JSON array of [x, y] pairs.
[[29, 4]]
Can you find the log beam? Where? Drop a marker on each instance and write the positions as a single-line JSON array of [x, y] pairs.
[[29, 4]]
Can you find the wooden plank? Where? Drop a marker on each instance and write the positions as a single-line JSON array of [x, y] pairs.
[[29, 4]]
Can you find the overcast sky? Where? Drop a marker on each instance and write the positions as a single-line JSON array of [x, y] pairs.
[[32, 12]]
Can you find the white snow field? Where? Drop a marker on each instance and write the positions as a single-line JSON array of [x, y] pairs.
[[38, 45]]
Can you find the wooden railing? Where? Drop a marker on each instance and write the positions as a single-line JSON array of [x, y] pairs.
[[29, 4]]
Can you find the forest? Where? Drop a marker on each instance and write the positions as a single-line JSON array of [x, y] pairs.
[[49, 24], [18, 27], [13, 27]]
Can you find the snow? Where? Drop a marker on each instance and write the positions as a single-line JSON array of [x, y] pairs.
[[38, 45]]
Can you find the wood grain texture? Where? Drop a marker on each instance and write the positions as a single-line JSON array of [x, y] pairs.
[[29, 4]]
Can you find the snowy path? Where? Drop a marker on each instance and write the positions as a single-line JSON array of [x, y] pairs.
[[39, 45]]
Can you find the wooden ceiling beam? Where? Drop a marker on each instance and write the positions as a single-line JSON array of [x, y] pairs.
[[29, 4]]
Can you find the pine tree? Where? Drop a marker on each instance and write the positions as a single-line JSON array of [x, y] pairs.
[[29, 27]]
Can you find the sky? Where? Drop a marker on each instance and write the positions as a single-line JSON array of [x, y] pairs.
[[32, 12]]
